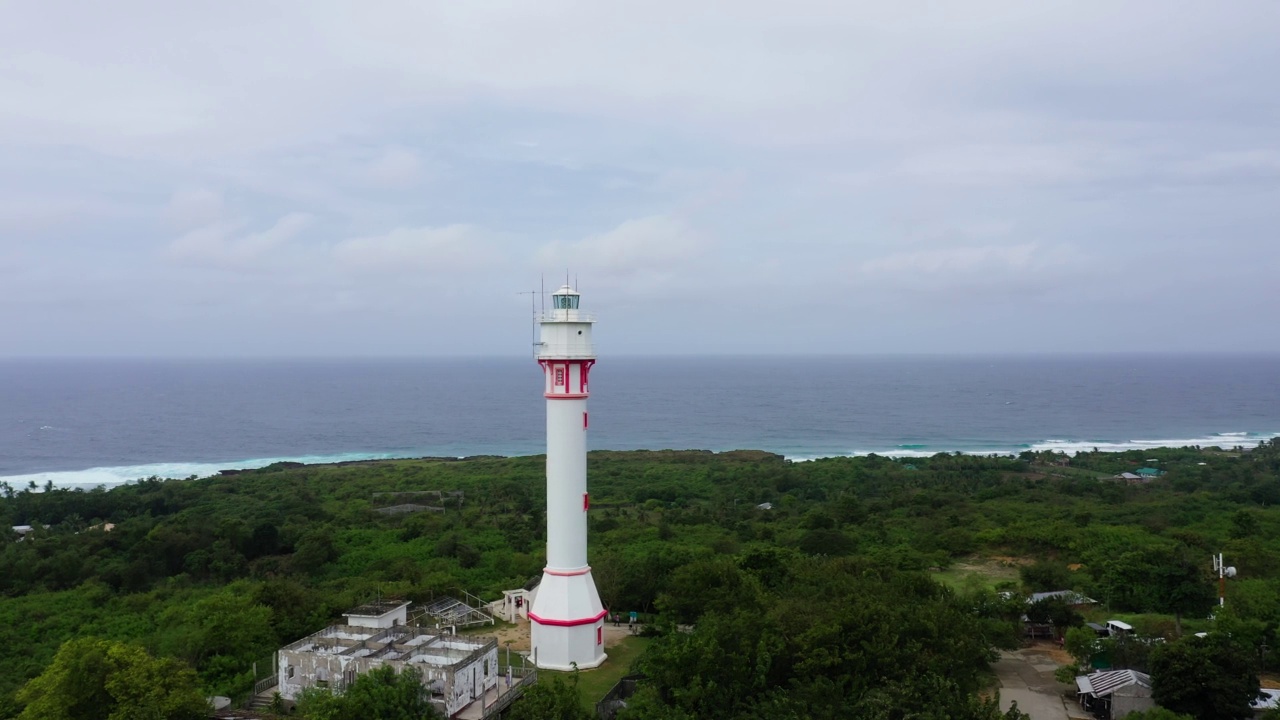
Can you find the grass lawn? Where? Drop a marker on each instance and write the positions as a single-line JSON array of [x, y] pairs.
[[1151, 624], [975, 572], [593, 684]]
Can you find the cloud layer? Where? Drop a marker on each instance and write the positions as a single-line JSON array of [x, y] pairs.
[[318, 177]]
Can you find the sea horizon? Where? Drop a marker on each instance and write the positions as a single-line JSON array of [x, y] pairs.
[[1028, 354], [84, 422]]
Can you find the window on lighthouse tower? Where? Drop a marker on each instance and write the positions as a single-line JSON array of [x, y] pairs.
[[566, 302]]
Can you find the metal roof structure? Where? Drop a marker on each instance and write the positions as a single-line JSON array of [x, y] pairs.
[[1070, 596], [1269, 700], [1102, 684], [449, 611]]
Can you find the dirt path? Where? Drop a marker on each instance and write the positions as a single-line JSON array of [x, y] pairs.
[[1026, 677], [518, 634]]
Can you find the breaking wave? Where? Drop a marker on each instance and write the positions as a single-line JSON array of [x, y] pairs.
[[1222, 440], [109, 476], [1226, 440]]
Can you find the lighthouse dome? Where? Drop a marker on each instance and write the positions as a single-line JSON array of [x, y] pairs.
[[566, 298]]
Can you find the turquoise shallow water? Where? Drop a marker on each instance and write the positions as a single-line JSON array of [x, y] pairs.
[[94, 421]]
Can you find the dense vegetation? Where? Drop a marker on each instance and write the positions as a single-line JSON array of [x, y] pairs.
[[823, 601]]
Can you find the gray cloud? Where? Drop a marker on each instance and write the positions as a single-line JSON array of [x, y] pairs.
[[228, 245], [317, 176], [647, 249], [443, 250]]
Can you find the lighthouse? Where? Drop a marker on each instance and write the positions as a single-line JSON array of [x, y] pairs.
[[567, 617]]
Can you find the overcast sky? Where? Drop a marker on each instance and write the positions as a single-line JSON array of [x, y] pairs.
[[383, 178]]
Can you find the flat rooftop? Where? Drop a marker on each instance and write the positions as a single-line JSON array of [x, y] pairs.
[[406, 644], [376, 609]]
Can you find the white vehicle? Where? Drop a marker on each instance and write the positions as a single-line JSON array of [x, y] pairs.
[[1117, 628]]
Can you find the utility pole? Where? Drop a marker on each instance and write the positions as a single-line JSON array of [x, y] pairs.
[[1224, 572]]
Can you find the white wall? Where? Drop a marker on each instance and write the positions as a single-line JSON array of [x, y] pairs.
[[399, 616]]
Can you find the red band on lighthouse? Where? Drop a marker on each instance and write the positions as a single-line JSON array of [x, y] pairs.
[[566, 573], [568, 623]]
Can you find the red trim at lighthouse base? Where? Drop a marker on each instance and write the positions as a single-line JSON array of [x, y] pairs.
[[567, 573], [568, 623]]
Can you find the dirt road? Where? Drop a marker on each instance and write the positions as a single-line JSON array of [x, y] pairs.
[[1026, 677]]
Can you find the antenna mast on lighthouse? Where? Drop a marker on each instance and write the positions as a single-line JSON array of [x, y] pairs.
[[566, 617]]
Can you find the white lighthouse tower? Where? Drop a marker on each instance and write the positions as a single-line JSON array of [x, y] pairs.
[[567, 617]]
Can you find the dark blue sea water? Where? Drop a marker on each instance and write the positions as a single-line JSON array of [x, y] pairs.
[[103, 421]]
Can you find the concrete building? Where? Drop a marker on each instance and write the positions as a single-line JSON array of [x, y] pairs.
[[457, 671], [514, 605], [567, 617], [378, 615]]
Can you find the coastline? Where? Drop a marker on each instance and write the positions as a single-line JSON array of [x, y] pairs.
[[109, 476]]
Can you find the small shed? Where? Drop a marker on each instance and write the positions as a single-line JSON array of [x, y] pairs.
[[1114, 693], [1149, 472], [22, 531], [382, 614], [514, 605]]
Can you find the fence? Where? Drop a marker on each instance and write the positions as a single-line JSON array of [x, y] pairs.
[[526, 677], [616, 698], [265, 684], [265, 666]]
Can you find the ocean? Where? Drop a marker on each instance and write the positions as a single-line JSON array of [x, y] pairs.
[[89, 422]]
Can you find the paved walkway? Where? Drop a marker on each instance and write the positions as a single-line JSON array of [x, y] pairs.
[[1026, 677], [476, 709]]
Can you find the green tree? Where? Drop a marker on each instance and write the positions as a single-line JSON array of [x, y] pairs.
[[550, 699], [1082, 643], [222, 635], [1184, 587], [383, 694], [715, 585], [1045, 576], [380, 694], [1243, 524], [1209, 678], [842, 639], [314, 551], [1157, 713], [92, 679], [319, 703], [1167, 579], [1055, 611]]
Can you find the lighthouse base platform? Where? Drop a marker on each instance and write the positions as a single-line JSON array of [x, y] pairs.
[[566, 622]]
